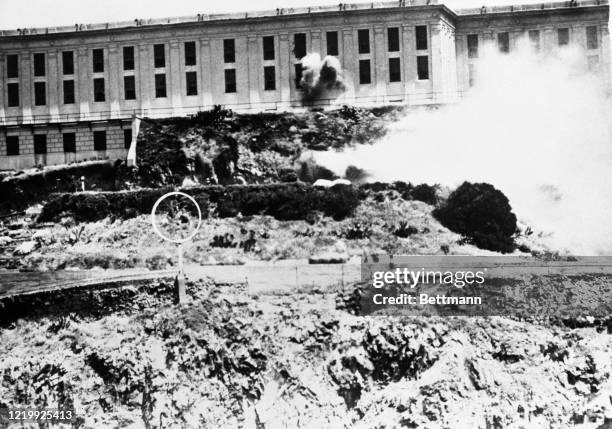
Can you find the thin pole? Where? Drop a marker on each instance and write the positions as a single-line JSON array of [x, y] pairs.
[[179, 281]]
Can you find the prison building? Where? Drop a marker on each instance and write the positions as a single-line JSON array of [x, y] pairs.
[[69, 93]]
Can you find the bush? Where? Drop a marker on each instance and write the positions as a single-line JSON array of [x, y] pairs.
[[404, 230], [286, 175], [214, 117], [310, 172], [357, 231], [20, 191], [284, 201], [425, 193], [482, 214]]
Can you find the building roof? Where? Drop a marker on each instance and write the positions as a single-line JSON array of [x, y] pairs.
[[287, 12], [530, 7]]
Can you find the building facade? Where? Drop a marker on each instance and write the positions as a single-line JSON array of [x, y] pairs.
[[70, 93]]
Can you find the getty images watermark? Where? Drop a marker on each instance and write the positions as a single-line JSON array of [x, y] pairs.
[[480, 286], [411, 278]]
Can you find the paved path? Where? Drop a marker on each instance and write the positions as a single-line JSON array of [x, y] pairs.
[[284, 275], [13, 283], [269, 276]]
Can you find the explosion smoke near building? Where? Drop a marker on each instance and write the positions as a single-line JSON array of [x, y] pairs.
[[320, 78], [537, 128]]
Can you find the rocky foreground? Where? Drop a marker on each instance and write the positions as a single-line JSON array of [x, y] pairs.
[[131, 358]]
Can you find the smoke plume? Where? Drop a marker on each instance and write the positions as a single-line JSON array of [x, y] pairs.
[[321, 78], [538, 128]]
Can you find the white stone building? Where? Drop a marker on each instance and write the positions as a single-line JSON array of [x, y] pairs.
[[69, 93]]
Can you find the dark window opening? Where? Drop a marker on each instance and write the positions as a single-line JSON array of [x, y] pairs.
[[190, 54], [299, 45], [563, 35], [363, 41], [393, 41], [269, 78], [230, 80], [332, 42], [68, 62], [98, 60], [472, 44], [127, 138], [40, 93], [268, 48], [421, 37], [40, 144], [129, 87], [12, 66], [99, 140], [128, 58], [534, 39], [160, 85], [592, 39], [423, 67], [12, 145], [68, 92], [191, 80], [12, 90], [298, 75], [99, 93], [159, 56], [39, 64], [69, 140], [229, 51], [395, 71], [503, 42], [364, 72]]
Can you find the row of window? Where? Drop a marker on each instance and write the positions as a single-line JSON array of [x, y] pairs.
[[563, 39], [229, 52], [363, 41], [99, 89], [191, 82], [159, 60], [229, 56], [395, 69], [69, 142], [299, 50]]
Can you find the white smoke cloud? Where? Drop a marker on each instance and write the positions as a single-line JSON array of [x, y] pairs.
[[539, 129], [321, 77]]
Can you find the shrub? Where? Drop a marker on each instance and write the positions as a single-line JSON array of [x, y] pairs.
[[214, 117], [20, 191], [482, 214], [358, 230], [284, 201], [404, 230], [224, 241], [287, 175], [425, 193], [310, 172]]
